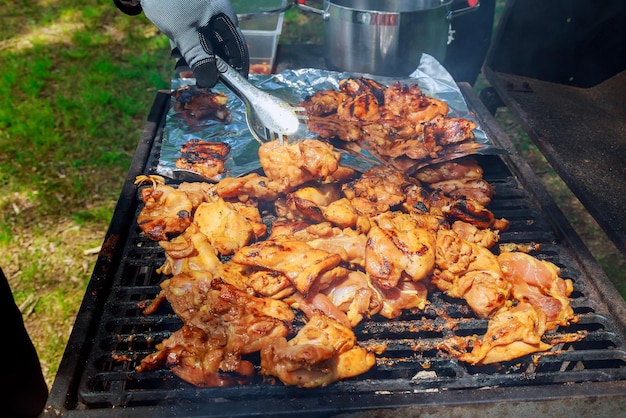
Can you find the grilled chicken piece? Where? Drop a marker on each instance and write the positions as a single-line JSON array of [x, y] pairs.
[[227, 229], [203, 157], [363, 107], [250, 186], [299, 262], [469, 211], [362, 99], [407, 295], [477, 190], [198, 192], [166, 212], [446, 131], [398, 247], [511, 333], [398, 123], [468, 271], [187, 293], [198, 359], [342, 213], [347, 243], [222, 323], [191, 251], [248, 322], [309, 202], [323, 103], [538, 283], [362, 85], [331, 126], [271, 284], [378, 190], [243, 322], [355, 295], [413, 148], [291, 165], [323, 352], [410, 102], [318, 303], [250, 211], [196, 106], [462, 168], [483, 237]]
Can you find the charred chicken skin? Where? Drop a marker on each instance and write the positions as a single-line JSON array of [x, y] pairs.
[[398, 123]]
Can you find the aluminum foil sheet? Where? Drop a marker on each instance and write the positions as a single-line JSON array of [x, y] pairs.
[[294, 86]]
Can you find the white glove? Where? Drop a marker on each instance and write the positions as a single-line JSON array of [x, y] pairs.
[[200, 29]]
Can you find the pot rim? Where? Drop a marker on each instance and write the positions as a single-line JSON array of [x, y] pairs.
[[390, 6]]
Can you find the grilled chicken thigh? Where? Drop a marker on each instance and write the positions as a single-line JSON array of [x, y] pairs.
[[323, 352]]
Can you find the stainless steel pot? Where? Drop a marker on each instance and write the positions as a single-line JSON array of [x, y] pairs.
[[385, 37]]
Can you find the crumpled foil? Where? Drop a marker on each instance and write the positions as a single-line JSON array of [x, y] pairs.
[[293, 86]]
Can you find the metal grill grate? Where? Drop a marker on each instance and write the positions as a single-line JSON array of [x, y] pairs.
[[411, 361]]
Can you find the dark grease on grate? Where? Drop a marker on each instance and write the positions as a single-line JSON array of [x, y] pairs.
[[410, 364]]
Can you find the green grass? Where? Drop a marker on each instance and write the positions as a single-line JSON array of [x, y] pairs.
[[77, 81]]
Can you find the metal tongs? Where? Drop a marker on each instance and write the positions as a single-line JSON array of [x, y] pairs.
[[269, 118]]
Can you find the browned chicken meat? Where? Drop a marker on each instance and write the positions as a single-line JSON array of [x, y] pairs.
[[198, 359], [269, 283], [461, 168], [397, 123], [538, 283], [356, 296], [347, 243], [483, 237], [445, 131], [299, 262], [308, 203], [323, 352], [250, 186], [397, 247], [378, 190], [291, 165], [477, 190], [407, 295], [166, 212], [196, 106], [222, 323], [226, 228], [191, 251], [198, 192], [468, 271], [511, 333], [204, 158]]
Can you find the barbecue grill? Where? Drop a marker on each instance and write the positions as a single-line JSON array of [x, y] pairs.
[[111, 335], [96, 377]]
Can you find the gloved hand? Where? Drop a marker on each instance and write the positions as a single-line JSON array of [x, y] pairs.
[[200, 29]]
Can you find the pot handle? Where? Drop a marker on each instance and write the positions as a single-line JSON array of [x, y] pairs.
[[301, 4], [471, 6]]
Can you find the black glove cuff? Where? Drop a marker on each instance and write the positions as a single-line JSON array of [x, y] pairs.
[[226, 41], [130, 7], [205, 72]]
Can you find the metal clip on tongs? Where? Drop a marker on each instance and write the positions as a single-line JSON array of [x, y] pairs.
[[268, 117]]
